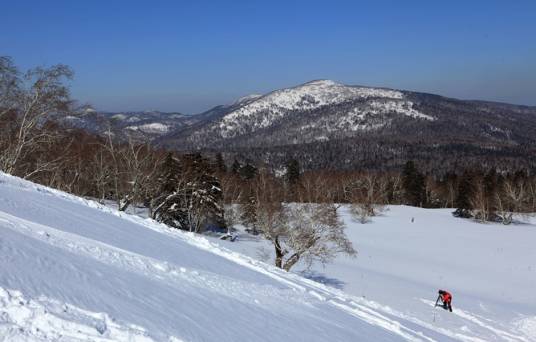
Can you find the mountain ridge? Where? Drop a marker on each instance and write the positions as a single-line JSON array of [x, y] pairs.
[[382, 124]]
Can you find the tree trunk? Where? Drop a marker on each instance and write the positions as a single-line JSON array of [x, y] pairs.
[[278, 254], [124, 203], [291, 261]]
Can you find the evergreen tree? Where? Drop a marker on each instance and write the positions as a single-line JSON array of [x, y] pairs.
[[248, 171], [293, 172], [168, 178], [293, 178], [413, 185], [248, 209], [195, 199], [220, 163], [463, 198], [235, 168]]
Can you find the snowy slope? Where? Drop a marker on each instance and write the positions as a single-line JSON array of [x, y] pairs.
[[489, 268], [74, 269]]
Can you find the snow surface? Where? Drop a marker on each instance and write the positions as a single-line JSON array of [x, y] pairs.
[[489, 268], [73, 269]]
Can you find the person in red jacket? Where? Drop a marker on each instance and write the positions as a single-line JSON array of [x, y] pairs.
[[446, 298]]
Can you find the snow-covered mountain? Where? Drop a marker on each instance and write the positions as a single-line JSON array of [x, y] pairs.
[[324, 106], [326, 124], [74, 270], [325, 110], [331, 125], [144, 124], [267, 110]]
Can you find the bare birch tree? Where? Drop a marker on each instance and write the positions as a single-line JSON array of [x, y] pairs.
[[32, 99]]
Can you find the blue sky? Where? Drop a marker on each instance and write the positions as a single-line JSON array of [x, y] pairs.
[[188, 56]]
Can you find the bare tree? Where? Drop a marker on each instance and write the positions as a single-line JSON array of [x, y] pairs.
[[139, 164], [367, 196], [10, 84], [231, 192], [298, 231], [503, 211], [450, 187], [314, 233], [531, 185], [32, 100], [479, 201], [102, 173], [270, 218]]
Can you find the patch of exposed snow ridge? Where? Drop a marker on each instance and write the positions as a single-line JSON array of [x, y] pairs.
[[309, 96], [399, 107], [154, 127], [119, 117], [247, 98]]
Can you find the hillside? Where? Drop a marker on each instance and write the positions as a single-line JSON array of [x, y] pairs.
[[145, 125], [406, 254], [72, 269], [326, 124], [329, 125]]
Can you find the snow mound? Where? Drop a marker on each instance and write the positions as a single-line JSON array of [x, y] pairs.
[[526, 326], [44, 319]]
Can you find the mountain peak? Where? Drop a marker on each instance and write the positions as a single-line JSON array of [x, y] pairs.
[[246, 98], [324, 82], [272, 109]]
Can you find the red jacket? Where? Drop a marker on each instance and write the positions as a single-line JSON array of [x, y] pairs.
[[446, 297]]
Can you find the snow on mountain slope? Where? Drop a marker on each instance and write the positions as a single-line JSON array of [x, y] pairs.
[[75, 270], [247, 98], [154, 128], [489, 268], [263, 111]]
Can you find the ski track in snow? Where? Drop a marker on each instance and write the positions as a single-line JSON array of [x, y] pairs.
[[507, 336], [44, 318]]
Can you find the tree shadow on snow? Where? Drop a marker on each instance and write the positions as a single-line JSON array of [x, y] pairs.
[[321, 278]]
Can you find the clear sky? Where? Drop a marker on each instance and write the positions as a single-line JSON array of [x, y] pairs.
[[188, 56]]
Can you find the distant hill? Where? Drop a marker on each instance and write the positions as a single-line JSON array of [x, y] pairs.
[[325, 124], [330, 125]]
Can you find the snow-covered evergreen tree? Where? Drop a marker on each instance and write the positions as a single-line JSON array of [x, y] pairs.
[[191, 196], [463, 198]]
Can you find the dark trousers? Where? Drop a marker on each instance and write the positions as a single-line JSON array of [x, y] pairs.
[[447, 306]]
